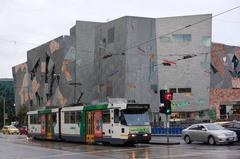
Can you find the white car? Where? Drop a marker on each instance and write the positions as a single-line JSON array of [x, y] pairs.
[[209, 133]]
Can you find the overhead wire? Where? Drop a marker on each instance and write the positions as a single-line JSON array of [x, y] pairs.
[[17, 41], [141, 43], [179, 29]]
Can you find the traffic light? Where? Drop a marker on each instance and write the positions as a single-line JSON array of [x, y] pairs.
[[165, 98], [167, 105], [162, 95]]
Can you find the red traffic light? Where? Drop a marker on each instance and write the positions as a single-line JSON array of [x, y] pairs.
[[168, 96]]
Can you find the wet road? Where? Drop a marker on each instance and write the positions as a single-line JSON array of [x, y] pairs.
[[18, 147]]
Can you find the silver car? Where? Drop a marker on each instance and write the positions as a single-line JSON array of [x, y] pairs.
[[209, 133]]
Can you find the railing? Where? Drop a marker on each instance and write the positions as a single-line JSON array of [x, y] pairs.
[[173, 131]]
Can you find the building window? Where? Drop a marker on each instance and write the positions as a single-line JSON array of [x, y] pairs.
[[182, 37], [184, 90], [165, 39], [111, 35], [206, 41], [174, 90]]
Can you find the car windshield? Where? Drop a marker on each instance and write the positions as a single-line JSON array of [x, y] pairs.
[[214, 127], [12, 127], [130, 118]]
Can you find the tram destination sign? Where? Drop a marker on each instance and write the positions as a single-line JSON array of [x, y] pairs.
[[138, 106]]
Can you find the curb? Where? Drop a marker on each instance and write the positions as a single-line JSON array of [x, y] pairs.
[[164, 143]]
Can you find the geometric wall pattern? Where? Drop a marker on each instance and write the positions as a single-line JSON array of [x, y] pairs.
[[46, 75], [53, 72], [225, 75], [121, 68]]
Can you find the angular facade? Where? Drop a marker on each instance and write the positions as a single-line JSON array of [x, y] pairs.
[[130, 57], [183, 63], [51, 75], [225, 81], [21, 87], [128, 72]]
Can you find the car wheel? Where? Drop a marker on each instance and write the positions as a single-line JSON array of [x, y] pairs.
[[187, 139], [211, 140]]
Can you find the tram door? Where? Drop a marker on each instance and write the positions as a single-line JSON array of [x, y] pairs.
[[43, 124], [89, 126], [49, 126]]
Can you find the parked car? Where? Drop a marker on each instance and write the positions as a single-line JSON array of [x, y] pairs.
[[23, 130], [10, 129], [208, 133], [232, 125]]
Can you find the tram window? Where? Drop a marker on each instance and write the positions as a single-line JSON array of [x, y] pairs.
[[72, 117], [38, 119], [106, 116], [31, 119], [66, 117], [122, 119], [54, 118], [116, 115], [78, 117], [34, 119]]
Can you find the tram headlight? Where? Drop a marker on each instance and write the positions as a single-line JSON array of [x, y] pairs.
[[132, 135], [145, 135]]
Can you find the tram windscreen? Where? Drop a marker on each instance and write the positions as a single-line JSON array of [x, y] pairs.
[[135, 116]]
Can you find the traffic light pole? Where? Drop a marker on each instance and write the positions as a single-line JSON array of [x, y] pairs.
[[167, 128]]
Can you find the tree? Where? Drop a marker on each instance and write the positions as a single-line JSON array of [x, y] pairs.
[[22, 115], [6, 90], [212, 113]]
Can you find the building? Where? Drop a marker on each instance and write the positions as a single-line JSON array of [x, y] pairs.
[[225, 81], [130, 57], [52, 75], [183, 64]]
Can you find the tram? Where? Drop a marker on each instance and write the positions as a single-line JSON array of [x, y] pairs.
[[115, 122]]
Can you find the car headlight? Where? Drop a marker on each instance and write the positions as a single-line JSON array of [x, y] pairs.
[[234, 134], [221, 135]]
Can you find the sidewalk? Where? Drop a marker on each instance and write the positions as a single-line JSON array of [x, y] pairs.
[[162, 140]]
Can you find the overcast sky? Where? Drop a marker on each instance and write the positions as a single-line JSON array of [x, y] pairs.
[[25, 24]]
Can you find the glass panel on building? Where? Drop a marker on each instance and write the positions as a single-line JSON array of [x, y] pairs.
[[182, 37]]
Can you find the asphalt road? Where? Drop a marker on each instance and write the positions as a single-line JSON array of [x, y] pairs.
[[18, 147]]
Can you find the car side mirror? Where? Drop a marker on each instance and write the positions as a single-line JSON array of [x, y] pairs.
[[203, 129]]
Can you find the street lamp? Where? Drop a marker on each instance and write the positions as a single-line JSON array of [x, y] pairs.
[[4, 104], [4, 107]]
